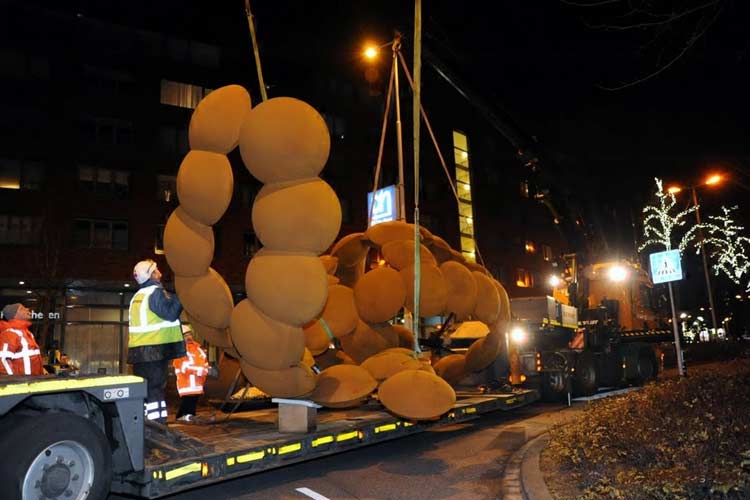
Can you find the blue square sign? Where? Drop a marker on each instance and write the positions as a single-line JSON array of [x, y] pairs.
[[666, 266], [386, 205]]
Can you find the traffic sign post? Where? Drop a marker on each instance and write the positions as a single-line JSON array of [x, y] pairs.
[[666, 267]]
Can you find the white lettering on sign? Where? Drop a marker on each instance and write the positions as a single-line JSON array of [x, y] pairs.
[[116, 393]]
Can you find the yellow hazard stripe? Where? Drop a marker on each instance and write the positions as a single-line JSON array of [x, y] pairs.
[[289, 448], [322, 440], [250, 457], [385, 428], [182, 471], [65, 384], [346, 436]]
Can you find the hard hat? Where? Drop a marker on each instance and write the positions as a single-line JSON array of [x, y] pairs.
[[143, 270], [186, 328]]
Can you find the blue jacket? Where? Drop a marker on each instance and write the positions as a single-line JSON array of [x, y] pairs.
[[168, 307]]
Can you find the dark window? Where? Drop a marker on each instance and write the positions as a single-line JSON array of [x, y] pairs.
[[204, 55], [168, 139], [167, 188], [159, 243], [346, 210], [98, 233], [524, 189], [104, 181], [19, 229], [106, 131]]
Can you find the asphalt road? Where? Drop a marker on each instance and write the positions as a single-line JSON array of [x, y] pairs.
[[464, 461]]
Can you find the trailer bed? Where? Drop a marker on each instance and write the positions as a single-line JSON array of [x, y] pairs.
[[188, 456]]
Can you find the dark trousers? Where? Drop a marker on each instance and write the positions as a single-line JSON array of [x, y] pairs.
[[188, 405], [155, 373]]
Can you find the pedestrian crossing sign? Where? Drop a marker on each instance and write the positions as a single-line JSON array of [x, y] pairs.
[[666, 266]]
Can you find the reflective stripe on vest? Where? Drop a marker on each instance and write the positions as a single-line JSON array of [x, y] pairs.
[[5, 355], [25, 353], [146, 328]]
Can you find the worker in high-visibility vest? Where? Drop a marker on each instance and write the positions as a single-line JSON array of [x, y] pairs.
[[19, 352], [154, 336], [191, 372]]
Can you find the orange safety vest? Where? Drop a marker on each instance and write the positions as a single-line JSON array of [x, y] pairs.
[[191, 370], [19, 352]]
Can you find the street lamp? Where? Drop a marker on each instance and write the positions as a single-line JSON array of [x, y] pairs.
[[370, 53], [711, 180]]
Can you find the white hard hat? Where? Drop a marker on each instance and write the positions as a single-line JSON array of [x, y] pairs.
[[143, 270], [186, 328]]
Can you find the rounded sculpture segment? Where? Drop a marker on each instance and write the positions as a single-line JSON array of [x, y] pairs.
[[303, 216], [206, 298], [188, 244], [487, 309], [264, 342], [440, 249], [330, 263], [382, 233], [215, 123], [288, 287], [482, 353], [307, 359], [205, 184], [284, 139], [316, 337], [452, 368], [405, 337], [461, 289], [340, 312], [388, 333], [433, 290], [218, 337], [343, 386], [383, 365], [379, 295], [350, 250], [295, 382], [400, 254], [504, 301], [417, 395], [363, 342]]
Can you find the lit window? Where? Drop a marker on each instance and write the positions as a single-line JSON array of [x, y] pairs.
[[529, 247], [104, 181], [183, 95], [10, 174], [547, 252], [524, 189], [524, 279], [159, 243]]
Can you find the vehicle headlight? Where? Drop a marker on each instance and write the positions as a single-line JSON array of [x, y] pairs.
[[518, 335]]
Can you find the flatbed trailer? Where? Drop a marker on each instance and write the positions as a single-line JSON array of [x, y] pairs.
[[151, 461]]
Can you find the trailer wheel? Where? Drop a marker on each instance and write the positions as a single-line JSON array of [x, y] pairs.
[[585, 382], [54, 456], [554, 386]]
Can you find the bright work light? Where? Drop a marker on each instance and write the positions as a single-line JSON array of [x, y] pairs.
[[617, 274], [518, 335]]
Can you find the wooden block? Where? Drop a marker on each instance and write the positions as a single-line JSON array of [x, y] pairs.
[[297, 416]]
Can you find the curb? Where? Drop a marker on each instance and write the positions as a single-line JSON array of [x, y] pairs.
[[523, 478]]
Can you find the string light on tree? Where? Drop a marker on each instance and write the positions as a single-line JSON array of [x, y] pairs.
[[729, 249], [660, 223]]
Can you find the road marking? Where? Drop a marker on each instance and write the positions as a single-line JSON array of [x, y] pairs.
[[310, 493]]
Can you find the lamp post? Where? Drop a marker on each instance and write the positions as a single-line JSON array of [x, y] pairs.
[[371, 53], [710, 181]]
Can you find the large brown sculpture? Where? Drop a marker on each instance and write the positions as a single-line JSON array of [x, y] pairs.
[[302, 304]]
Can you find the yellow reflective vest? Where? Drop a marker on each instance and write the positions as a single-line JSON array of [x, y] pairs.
[[146, 328]]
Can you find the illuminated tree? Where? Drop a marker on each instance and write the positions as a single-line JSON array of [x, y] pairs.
[[661, 221], [727, 246]]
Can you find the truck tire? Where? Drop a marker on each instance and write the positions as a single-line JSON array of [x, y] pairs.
[[56, 455], [585, 381], [554, 386]]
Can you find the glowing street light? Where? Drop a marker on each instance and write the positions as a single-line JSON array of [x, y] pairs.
[[370, 52], [714, 179], [554, 281], [617, 274]]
